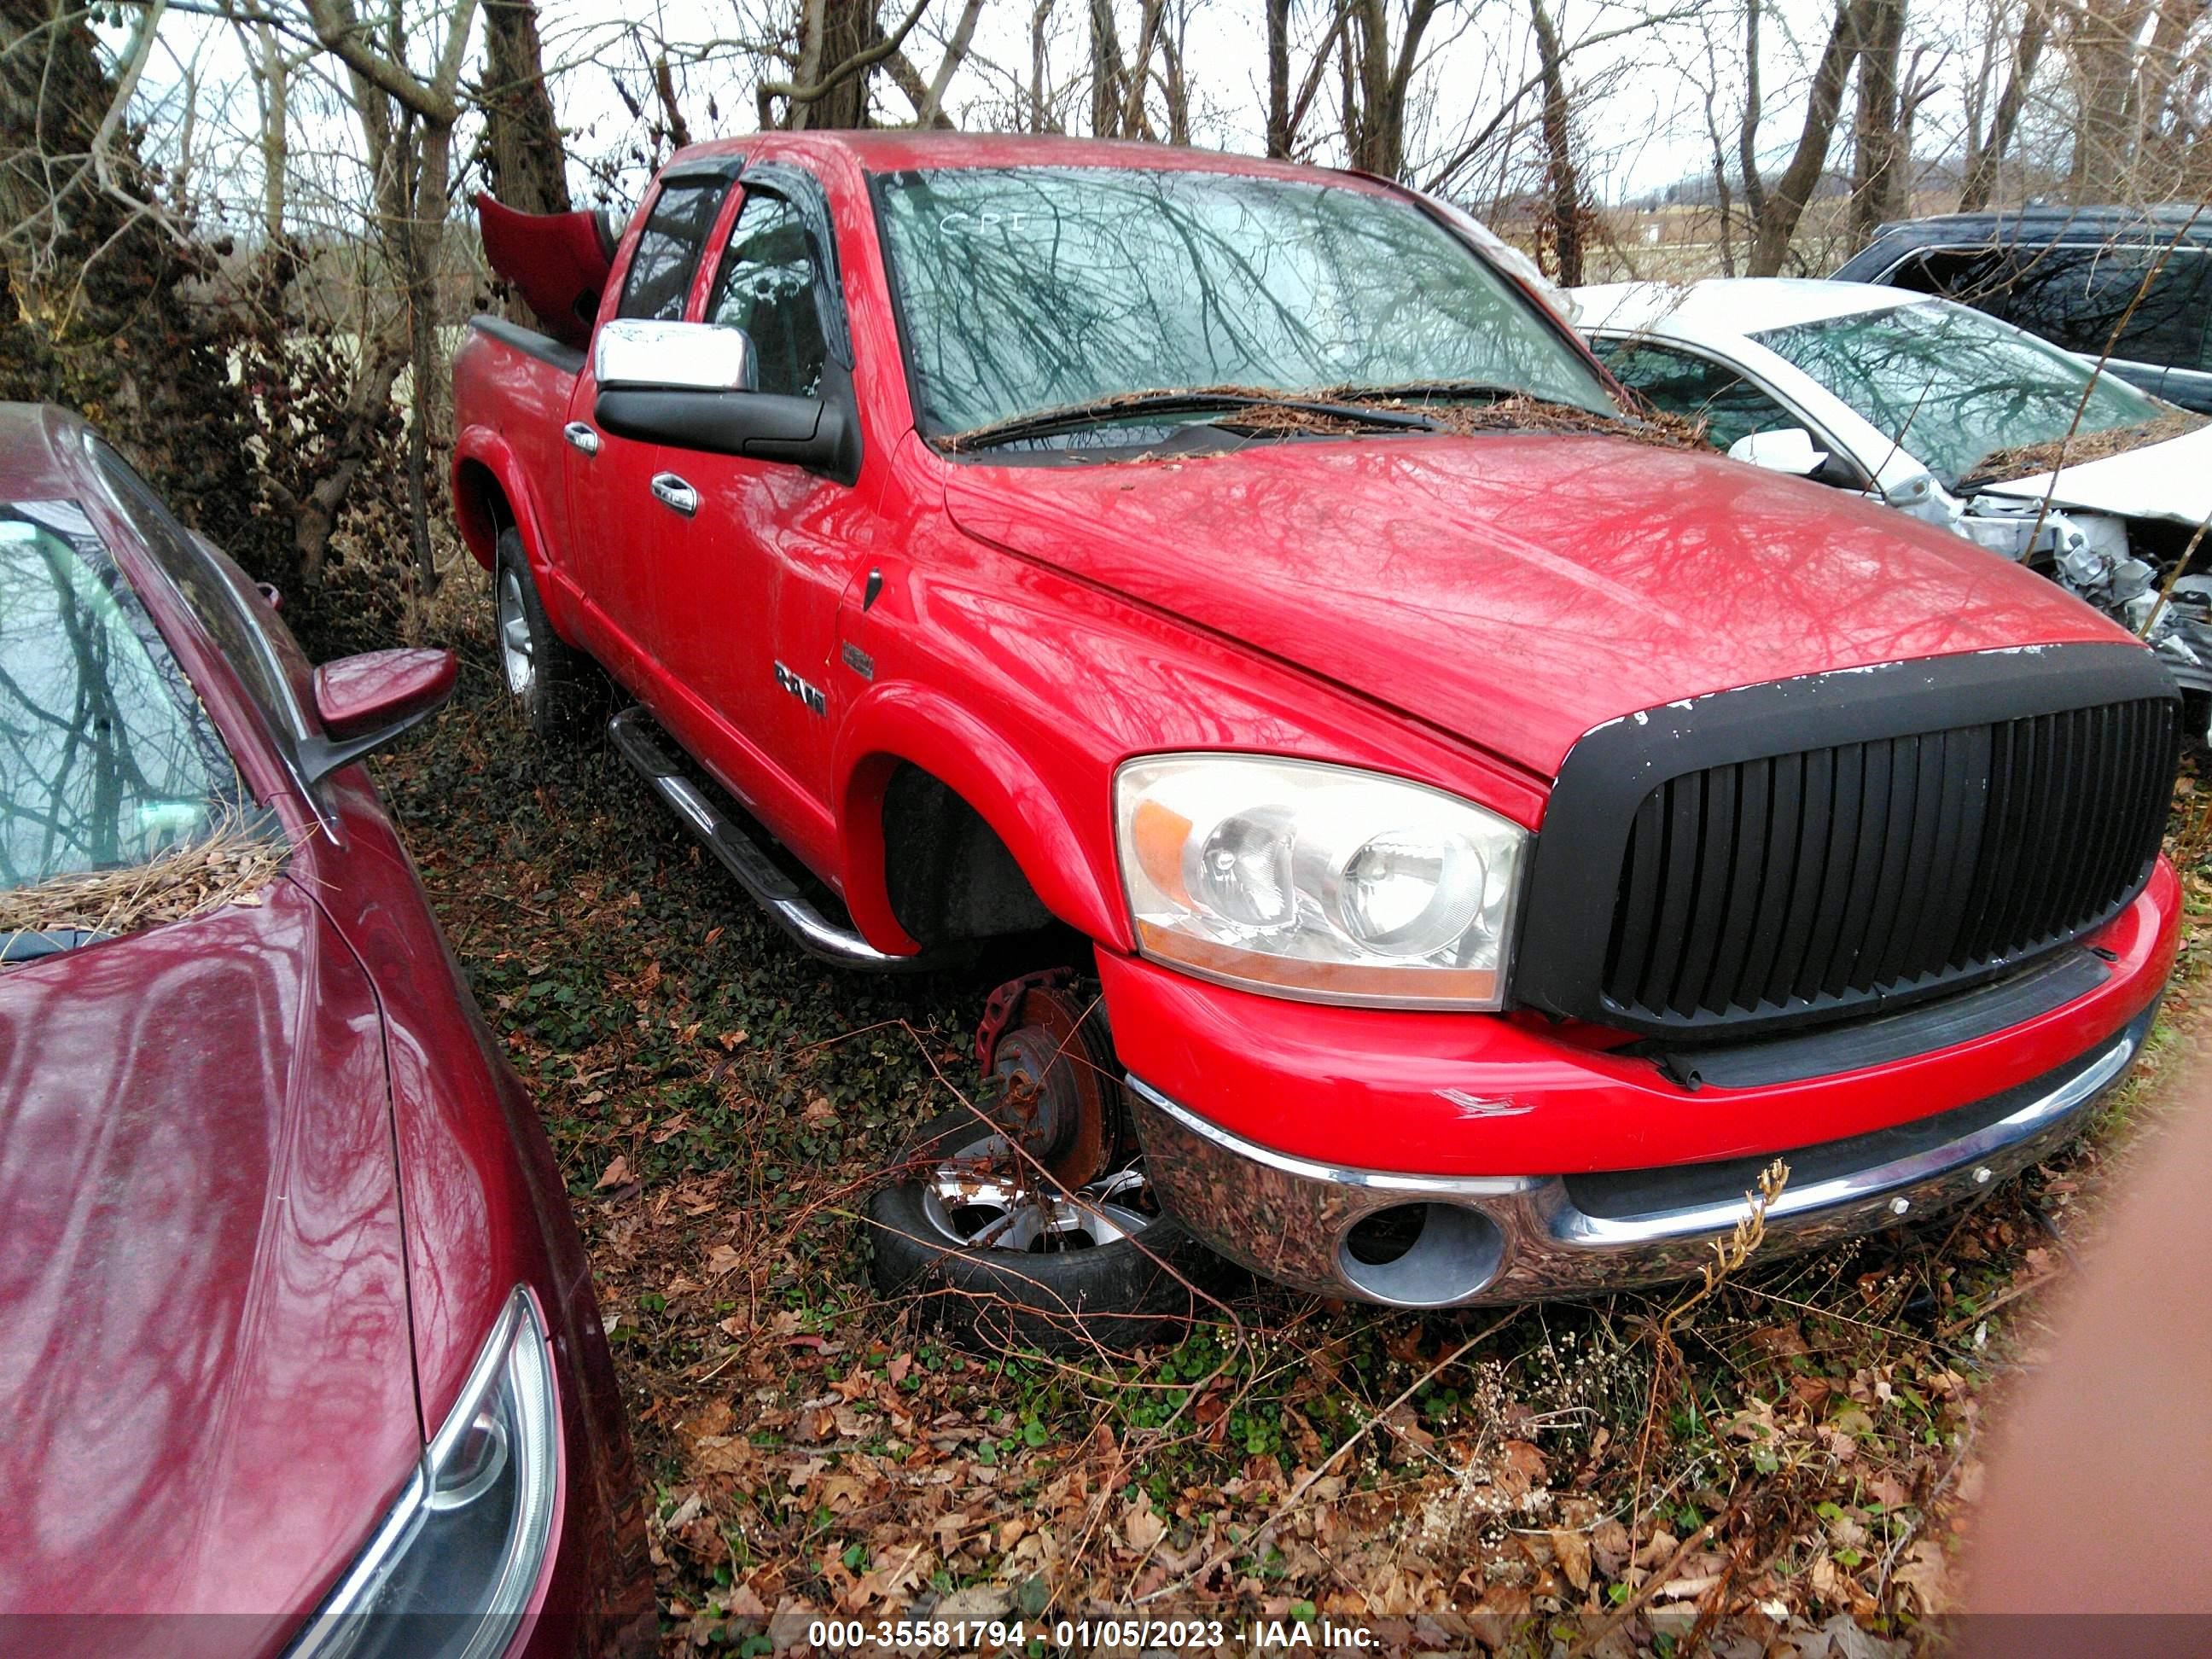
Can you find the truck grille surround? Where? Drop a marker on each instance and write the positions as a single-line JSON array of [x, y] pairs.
[[1845, 843]]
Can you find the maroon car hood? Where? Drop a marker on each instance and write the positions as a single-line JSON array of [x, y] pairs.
[[204, 1366], [1518, 590]]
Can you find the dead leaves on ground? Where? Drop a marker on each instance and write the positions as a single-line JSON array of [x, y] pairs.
[[719, 1107]]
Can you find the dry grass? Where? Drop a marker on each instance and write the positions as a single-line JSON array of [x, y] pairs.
[[229, 866], [2078, 449]]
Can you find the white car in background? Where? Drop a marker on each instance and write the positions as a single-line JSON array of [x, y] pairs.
[[1939, 410]]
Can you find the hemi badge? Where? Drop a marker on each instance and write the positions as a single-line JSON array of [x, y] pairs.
[[859, 662]]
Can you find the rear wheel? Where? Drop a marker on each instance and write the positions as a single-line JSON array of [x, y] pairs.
[[1030, 1220], [545, 674]]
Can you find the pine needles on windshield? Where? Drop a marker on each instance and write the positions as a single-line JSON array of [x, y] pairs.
[[230, 865]]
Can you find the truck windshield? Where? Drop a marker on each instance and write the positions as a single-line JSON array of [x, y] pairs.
[[105, 755], [1028, 289], [1951, 387]]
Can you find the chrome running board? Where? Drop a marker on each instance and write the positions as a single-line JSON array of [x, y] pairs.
[[636, 738]]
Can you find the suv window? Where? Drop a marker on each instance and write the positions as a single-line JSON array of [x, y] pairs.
[[212, 597], [2077, 296], [767, 287], [659, 276], [1696, 388]]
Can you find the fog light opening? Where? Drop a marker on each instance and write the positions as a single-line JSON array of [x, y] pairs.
[[1421, 1255]]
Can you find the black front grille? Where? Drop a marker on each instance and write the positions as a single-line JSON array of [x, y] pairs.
[[1830, 878]]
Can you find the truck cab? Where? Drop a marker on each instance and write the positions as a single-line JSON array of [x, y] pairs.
[[1497, 828]]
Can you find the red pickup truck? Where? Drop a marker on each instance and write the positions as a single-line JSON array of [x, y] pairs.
[[1496, 832]]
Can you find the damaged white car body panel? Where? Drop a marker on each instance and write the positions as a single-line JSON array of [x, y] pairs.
[[2094, 526], [2170, 481]]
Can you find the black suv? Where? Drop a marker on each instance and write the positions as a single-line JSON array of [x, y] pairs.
[[2069, 274]]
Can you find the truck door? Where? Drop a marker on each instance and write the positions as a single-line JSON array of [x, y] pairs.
[[611, 513], [748, 571]]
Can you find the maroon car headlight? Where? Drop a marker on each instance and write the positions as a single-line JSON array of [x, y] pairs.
[[1319, 881], [453, 1565]]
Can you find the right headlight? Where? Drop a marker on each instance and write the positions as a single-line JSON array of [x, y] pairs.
[[1317, 882], [451, 1571]]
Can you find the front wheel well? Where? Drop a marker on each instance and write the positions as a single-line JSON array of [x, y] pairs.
[[947, 874]]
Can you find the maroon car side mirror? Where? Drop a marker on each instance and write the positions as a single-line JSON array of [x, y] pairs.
[[365, 702]]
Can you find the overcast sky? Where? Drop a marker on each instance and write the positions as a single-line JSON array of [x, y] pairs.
[[1638, 110]]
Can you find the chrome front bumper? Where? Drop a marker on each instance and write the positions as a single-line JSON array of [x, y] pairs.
[[1513, 1239]]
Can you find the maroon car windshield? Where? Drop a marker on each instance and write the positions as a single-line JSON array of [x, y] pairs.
[[105, 755]]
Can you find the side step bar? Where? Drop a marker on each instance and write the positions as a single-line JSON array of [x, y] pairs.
[[635, 737]]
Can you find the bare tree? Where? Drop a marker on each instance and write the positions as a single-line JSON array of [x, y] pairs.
[[2101, 38], [1987, 157], [1376, 63], [1287, 110], [1880, 167], [841, 43], [523, 153], [1568, 211], [406, 121], [1776, 209]]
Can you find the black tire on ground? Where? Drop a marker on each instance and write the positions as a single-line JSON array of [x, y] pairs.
[[545, 675], [1113, 1296]]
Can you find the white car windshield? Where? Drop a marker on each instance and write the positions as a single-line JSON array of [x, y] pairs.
[[1950, 386]]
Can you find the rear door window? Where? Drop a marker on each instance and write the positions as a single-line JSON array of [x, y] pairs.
[[659, 276], [2087, 298]]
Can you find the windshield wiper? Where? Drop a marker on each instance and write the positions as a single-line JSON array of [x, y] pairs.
[[1197, 400], [29, 946], [1453, 392]]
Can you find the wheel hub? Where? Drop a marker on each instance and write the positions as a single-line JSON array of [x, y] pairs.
[[1061, 1100], [514, 643], [984, 1197]]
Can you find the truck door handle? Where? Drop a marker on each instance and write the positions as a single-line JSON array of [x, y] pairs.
[[672, 491], [581, 436]]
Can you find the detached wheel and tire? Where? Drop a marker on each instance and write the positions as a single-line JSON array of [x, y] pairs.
[[545, 674], [1031, 1221]]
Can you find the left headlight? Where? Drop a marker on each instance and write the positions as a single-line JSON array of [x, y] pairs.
[[1317, 882], [451, 1571]]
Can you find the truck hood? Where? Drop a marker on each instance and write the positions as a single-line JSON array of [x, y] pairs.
[[2170, 481], [1518, 590], [204, 1364]]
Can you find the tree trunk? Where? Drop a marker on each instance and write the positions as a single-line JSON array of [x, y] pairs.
[[1784, 204], [1981, 180], [1279, 79], [523, 153], [1040, 14], [1107, 74], [1746, 143], [1565, 184], [1878, 171], [2102, 35], [838, 33]]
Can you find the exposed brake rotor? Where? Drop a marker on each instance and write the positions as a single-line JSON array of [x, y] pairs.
[[1060, 1094]]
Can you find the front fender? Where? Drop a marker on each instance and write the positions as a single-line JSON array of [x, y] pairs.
[[901, 722]]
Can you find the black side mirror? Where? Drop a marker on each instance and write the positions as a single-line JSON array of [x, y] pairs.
[[818, 434], [690, 386]]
